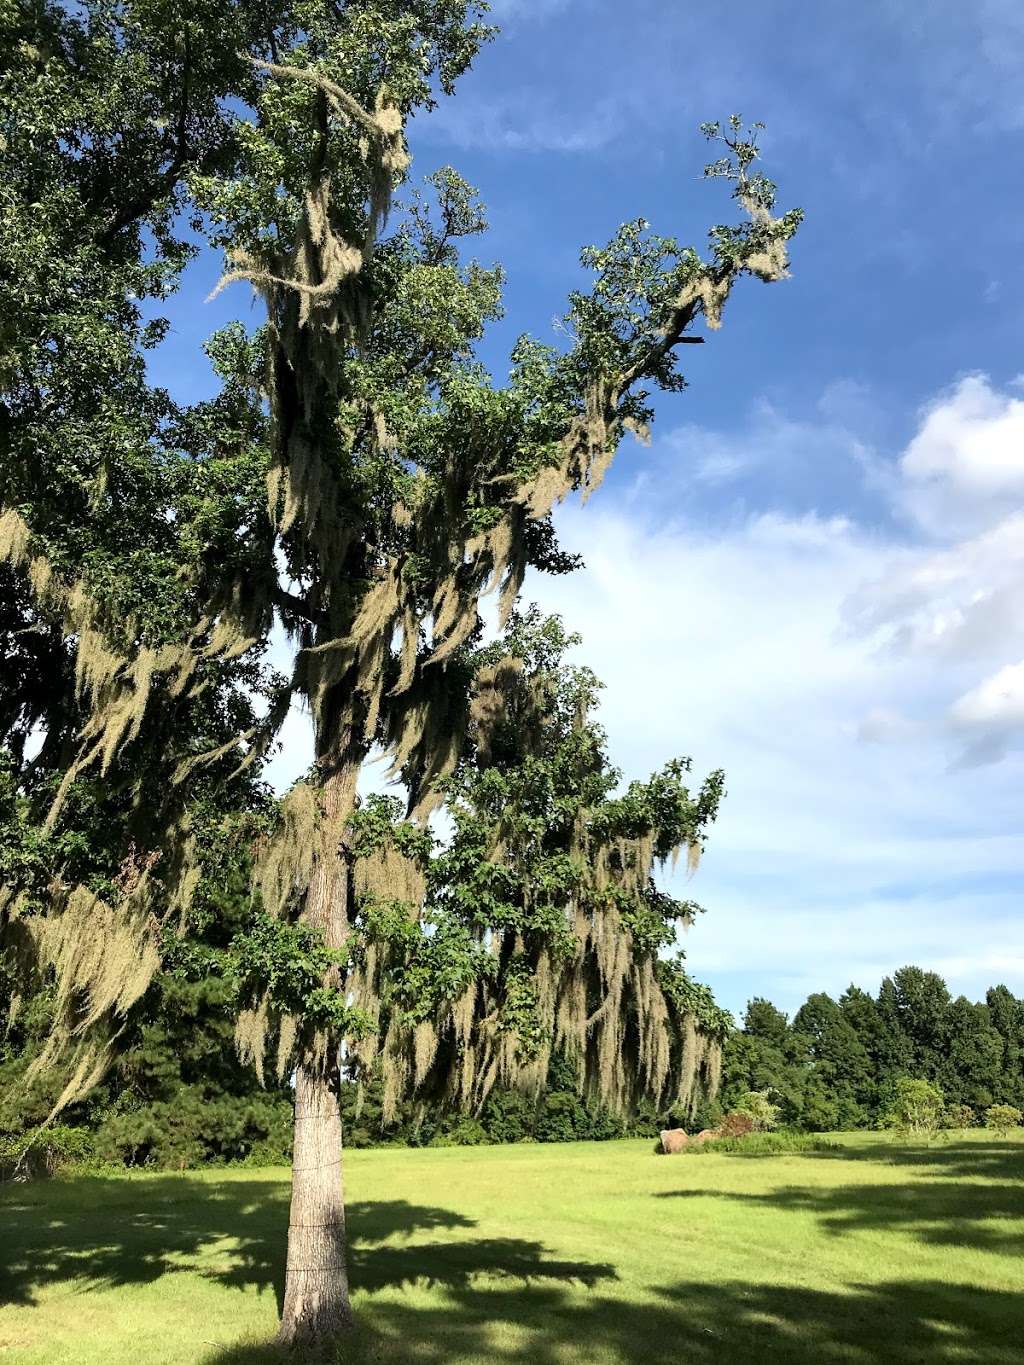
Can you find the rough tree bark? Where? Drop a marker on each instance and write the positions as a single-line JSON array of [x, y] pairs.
[[316, 1300], [316, 1297]]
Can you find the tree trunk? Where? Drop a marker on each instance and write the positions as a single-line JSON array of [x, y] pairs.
[[316, 1300]]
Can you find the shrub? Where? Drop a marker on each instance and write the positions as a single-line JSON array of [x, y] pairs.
[[708, 1114], [959, 1116], [44, 1152], [509, 1116], [765, 1144], [562, 1117], [912, 1105], [1003, 1117], [194, 1129], [465, 1132], [736, 1125], [820, 1111], [763, 1113]]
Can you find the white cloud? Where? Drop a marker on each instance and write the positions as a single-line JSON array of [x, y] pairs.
[[958, 603], [777, 645], [991, 716], [998, 700], [853, 681], [965, 465]]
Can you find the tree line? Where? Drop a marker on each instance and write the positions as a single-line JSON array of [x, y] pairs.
[[179, 1096], [836, 1063]]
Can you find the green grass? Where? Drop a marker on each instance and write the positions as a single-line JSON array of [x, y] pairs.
[[588, 1253]]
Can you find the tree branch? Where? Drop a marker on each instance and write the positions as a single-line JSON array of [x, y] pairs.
[[672, 336], [298, 606], [138, 206]]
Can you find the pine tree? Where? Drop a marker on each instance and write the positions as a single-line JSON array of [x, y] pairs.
[[918, 1002]]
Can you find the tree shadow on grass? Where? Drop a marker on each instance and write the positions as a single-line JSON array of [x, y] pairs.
[[998, 1159], [956, 1212], [100, 1234], [733, 1323], [483, 1299]]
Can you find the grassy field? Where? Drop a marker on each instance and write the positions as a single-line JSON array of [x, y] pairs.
[[590, 1253]]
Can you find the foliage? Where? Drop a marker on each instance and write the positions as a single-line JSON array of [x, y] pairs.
[[959, 1116], [280, 135], [45, 1153], [833, 1066], [756, 1144], [764, 1055], [1003, 1117], [358, 483], [912, 1104], [757, 1104], [737, 1124], [177, 1095]]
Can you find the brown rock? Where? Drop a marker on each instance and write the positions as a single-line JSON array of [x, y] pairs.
[[706, 1133], [673, 1140]]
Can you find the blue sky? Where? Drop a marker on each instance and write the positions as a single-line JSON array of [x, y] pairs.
[[814, 577]]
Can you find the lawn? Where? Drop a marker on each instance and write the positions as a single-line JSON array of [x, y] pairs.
[[883, 1251]]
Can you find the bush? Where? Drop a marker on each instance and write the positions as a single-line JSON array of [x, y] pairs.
[[45, 1152], [465, 1132], [959, 1116], [562, 1117], [708, 1114], [912, 1105], [509, 1116], [1003, 1117], [194, 1130], [763, 1113], [736, 1125], [765, 1144]]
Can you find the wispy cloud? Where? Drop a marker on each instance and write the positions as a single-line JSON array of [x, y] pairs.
[[505, 11], [848, 673], [524, 122]]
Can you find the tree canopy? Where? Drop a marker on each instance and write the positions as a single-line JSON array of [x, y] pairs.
[[361, 482], [836, 1064]]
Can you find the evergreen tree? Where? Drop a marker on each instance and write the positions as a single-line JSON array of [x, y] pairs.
[[765, 1055], [894, 1049], [762, 1020]]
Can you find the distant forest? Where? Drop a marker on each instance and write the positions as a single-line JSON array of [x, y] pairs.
[[180, 1097], [832, 1066]]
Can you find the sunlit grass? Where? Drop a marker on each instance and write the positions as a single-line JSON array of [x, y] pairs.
[[882, 1251]]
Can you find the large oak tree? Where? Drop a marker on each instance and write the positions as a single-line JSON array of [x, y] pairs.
[[361, 481]]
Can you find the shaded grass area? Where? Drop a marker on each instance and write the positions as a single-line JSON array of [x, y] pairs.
[[874, 1251]]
